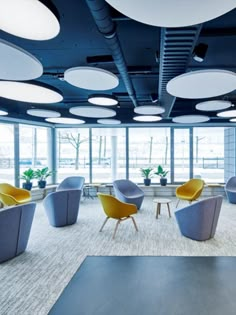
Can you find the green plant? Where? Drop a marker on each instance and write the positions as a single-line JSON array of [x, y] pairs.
[[146, 172], [28, 175], [42, 174], [161, 172]]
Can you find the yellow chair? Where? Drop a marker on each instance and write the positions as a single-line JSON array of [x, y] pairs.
[[117, 210], [190, 190], [11, 195]]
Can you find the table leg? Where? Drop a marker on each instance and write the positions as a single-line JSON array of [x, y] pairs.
[[158, 210], [168, 206]]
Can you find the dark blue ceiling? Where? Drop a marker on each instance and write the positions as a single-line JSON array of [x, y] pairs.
[[80, 39]]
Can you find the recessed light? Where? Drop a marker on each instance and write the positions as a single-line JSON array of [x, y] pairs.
[[190, 119], [213, 105], [28, 92], [44, 113], [29, 19], [171, 13], [202, 84], [92, 111], [147, 118], [18, 64], [227, 113], [91, 78], [102, 99], [3, 113], [64, 120], [108, 121], [149, 110], [233, 120]]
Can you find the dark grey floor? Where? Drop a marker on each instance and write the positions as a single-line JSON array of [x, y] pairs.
[[151, 285]]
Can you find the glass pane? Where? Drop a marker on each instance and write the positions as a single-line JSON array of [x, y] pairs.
[[7, 153], [73, 153], [108, 154], [208, 159], [34, 142], [148, 147], [181, 155]]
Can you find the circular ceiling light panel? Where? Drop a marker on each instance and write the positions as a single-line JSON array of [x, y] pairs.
[[227, 113], [17, 64], [202, 84], [171, 13], [104, 100], [147, 118], [44, 113], [92, 112], [232, 120], [108, 121], [190, 119], [67, 121], [28, 19], [213, 105], [149, 110], [27, 92], [3, 113], [91, 78]]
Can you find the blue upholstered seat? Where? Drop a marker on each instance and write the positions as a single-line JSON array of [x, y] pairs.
[[15, 227], [72, 182], [198, 221], [230, 189], [127, 191], [62, 207]]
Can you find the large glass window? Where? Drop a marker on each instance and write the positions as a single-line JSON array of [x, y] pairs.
[[72, 153], [34, 151], [148, 147], [7, 153], [181, 155], [108, 154], [208, 157]]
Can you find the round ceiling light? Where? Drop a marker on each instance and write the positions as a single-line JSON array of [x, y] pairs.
[[233, 120], [202, 84], [149, 110], [171, 13], [91, 78], [147, 118], [44, 113], [102, 99], [108, 121], [3, 113], [17, 64], [227, 113], [213, 105], [190, 119], [92, 111], [29, 19], [27, 92], [64, 120]]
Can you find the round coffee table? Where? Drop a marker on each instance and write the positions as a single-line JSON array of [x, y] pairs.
[[159, 202]]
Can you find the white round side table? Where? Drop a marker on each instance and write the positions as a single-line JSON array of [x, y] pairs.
[[159, 202]]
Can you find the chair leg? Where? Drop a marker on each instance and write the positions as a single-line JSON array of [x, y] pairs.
[[117, 224], [104, 224], [177, 203], [135, 225]]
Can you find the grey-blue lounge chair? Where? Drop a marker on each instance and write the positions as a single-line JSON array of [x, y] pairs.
[[72, 182], [230, 189]]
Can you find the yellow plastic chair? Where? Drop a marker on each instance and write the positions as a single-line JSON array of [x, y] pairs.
[[11, 195], [117, 210], [190, 190]]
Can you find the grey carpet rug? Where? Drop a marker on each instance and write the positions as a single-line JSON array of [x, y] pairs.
[[31, 283]]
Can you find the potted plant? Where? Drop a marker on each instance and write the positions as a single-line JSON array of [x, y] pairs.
[[27, 175], [147, 173], [162, 173], [42, 175]]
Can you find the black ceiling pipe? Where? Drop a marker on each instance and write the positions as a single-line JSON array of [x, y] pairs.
[[100, 12]]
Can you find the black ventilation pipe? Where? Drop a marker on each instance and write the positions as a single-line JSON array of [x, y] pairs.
[[100, 12]]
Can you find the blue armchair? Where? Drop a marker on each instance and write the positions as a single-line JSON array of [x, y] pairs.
[[230, 189], [62, 207], [127, 191], [198, 221], [72, 182], [15, 227]]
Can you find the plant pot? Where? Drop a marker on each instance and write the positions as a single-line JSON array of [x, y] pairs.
[[42, 183], [163, 181], [27, 186], [147, 181]]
